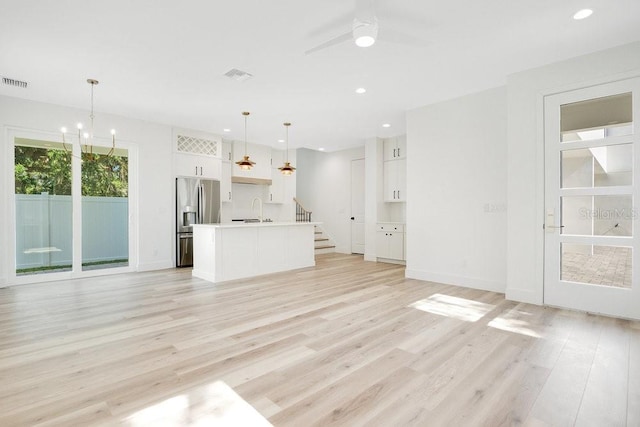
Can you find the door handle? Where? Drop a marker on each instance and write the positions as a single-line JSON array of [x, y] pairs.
[[353, 218]]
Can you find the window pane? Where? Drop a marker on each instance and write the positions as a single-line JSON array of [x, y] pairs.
[[597, 118], [105, 209], [43, 207], [597, 265], [598, 215], [597, 167]]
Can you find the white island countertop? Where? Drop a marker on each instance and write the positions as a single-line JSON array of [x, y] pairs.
[[240, 224], [236, 250]]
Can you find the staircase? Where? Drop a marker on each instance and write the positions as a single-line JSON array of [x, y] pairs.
[[323, 243]]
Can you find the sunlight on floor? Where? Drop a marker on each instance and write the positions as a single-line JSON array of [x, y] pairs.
[[457, 308], [514, 321], [215, 404]]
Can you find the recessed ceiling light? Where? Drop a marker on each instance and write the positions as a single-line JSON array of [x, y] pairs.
[[321, 149], [360, 90], [226, 130], [281, 140], [386, 125], [581, 14]]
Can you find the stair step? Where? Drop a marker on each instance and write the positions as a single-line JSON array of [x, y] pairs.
[[325, 246]]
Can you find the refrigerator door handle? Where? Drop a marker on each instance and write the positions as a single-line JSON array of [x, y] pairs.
[[200, 211]]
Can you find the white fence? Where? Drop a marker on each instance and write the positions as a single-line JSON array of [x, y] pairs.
[[44, 230]]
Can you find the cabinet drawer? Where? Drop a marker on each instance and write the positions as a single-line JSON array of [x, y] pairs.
[[399, 228]]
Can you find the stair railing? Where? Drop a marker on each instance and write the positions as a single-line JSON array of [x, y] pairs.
[[302, 214]]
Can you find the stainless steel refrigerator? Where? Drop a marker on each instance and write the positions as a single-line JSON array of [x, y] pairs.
[[197, 202]]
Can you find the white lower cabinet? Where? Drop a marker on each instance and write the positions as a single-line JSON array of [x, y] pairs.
[[390, 241]]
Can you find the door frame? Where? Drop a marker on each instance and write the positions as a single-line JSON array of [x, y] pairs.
[[618, 302], [10, 213], [352, 215]]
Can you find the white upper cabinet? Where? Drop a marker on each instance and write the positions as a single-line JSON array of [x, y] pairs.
[[395, 180], [196, 154], [276, 189], [226, 189], [227, 151], [193, 165], [395, 148], [260, 154]]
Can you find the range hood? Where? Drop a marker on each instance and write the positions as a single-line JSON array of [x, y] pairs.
[[248, 180]]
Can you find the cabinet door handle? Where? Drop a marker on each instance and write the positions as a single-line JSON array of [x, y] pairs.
[[200, 170], [271, 197], [398, 152], [398, 194], [196, 170], [229, 195], [394, 194]]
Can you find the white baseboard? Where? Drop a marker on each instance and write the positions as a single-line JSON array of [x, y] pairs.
[[467, 282], [522, 295], [151, 266], [210, 277], [370, 258]]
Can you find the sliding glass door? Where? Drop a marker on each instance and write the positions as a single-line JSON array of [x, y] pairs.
[[105, 209], [43, 207], [71, 208]]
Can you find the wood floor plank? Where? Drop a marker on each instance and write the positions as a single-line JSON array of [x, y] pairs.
[[347, 342]]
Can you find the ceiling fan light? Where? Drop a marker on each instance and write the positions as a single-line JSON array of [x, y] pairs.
[[365, 33], [365, 41]]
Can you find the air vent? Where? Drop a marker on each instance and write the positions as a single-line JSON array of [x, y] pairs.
[[238, 75], [14, 82]]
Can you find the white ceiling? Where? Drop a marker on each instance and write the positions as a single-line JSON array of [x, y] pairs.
[[164, 60]]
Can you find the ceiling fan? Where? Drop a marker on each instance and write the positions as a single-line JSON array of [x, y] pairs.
[[364, 30]]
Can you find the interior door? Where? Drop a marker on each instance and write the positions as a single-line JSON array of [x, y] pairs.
[[357, 206], [591, 192]]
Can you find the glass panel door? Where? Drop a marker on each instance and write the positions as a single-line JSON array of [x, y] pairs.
[[43, 207], [105, 209], [591, 190]]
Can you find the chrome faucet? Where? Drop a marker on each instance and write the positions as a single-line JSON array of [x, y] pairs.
[[253, 202]]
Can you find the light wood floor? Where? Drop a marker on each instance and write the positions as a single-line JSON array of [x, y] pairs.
[[348, 343]]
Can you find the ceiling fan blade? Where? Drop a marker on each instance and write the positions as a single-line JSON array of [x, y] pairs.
[[334, 41], [343, 21]]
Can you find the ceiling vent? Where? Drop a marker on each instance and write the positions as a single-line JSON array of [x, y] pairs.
[[13, 82], [238, 75]]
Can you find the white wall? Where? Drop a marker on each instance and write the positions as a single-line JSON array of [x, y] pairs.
[[525, 155], [155, 181], [323, 186], [456, 191]]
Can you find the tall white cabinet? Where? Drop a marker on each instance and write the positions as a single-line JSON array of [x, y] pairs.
[[226, 190], [395, 169]]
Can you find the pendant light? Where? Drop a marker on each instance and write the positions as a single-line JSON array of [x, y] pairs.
[[85, 139], [287, 169], [245, 164]]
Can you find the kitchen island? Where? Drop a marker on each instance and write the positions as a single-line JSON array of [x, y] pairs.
[[234, 251]]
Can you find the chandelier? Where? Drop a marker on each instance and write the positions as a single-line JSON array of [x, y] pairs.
[[287, 169], [245, 164], [85, 139]]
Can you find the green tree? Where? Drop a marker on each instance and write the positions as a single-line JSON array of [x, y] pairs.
[[39, 170]]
